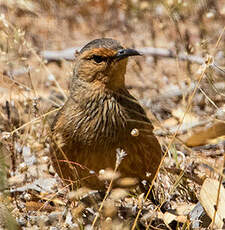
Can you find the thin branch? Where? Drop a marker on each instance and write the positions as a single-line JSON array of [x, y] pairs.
[[68, 54]]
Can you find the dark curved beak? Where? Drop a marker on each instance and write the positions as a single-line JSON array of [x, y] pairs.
[[124, 53]]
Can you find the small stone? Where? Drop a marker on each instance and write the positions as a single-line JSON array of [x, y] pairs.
[[51, 170], [53, 228], [22, 221], [53, 217], [45, 159], [27, 196], [23, 167]]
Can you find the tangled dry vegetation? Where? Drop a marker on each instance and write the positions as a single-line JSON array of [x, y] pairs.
[[181, 87]]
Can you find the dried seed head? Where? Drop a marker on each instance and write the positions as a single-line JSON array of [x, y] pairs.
[[110, 208], [108, 174], [118, 193], [120, 154], [78, 194], [127, 182]]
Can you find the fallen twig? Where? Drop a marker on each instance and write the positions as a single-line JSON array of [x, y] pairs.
[[68, 54]]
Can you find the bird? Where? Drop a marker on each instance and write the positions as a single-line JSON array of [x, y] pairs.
[[101, 118]]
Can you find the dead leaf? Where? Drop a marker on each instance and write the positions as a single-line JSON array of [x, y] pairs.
[[36, 206], [206, 135], [169, 218], [183, 209], [189, 118], [208, 199], [170, 122]]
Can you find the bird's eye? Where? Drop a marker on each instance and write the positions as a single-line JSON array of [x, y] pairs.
[[98, 59]]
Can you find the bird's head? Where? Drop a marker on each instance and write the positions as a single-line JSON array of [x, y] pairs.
[[102, 63]]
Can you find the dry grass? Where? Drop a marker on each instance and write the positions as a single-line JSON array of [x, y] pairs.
[[181, 98]]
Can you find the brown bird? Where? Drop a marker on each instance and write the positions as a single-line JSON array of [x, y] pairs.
[[100, 117]]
